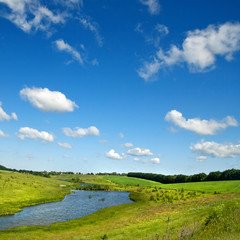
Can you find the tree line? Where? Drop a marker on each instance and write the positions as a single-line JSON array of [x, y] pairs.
[[230, 174]]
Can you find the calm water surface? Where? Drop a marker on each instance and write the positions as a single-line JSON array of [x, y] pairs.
[[76, 205]]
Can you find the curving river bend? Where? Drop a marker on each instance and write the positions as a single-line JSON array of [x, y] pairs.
[[75, 205]]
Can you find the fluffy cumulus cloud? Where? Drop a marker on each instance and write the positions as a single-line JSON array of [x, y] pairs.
[[202, 127], [48, 101], [65, 145], [113, 155], [27, 132], [139, 152], [217, 150], [152, 160], [30, 15], [81, 132], [127, 145], [2, 134], [65, 47], [199, 50], [153, 6], [5, 116]]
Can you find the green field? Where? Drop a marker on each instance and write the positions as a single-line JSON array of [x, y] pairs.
[[211, 187], [157, 213], [20, 190]]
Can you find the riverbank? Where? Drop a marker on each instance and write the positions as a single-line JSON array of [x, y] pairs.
[[156, 214], [22, 190]]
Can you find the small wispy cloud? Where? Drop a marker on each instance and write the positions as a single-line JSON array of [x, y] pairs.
[[127, 145], [121, 135], [5, 116], [31, 15], [3, 135], [65, 47], [151, 160], [65, 145], [139, 152], [81, 132], [153, 6], [93, 27]]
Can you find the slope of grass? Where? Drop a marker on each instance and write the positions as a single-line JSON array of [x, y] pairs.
[[156, 214], [211, 187], [20, 190]]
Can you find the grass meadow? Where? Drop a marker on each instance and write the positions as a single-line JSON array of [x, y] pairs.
[[211, 187], [20, 190], [158, 212]]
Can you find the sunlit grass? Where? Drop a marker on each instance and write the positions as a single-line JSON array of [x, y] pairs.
[[211, 186], [157, 213], [20, 190]]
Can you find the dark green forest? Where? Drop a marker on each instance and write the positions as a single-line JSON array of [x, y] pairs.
[[230, 174]]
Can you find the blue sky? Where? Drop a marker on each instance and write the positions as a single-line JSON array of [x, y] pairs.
[[102, 86]]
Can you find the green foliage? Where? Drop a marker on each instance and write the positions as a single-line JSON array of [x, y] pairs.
[[230, 174]]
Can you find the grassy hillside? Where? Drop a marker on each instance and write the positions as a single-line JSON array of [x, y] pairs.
[[19, 190], [211, 187], [156, 214]]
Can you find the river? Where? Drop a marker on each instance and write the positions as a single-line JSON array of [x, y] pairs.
[[75, 205]]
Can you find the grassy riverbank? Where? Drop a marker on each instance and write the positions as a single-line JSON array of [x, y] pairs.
[[20, 190], [156, 214]]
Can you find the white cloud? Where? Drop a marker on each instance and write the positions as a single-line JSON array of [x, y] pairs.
[[5, 116], [103, 141], [202, 127], [153, 6], [70, 3], [66, 156], [150, 69], [27, 132], [81, 132], [2, 134], [65, 47], [200, 158], [172, 129], [217, 150], [152, 160], [30, 14], [155, 160], [113, 155], [199, 50], [48, 101], [93, 27], [162, 29], [121, 135], [64, 145], [139, 152], [127, 145], [14, 116]]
